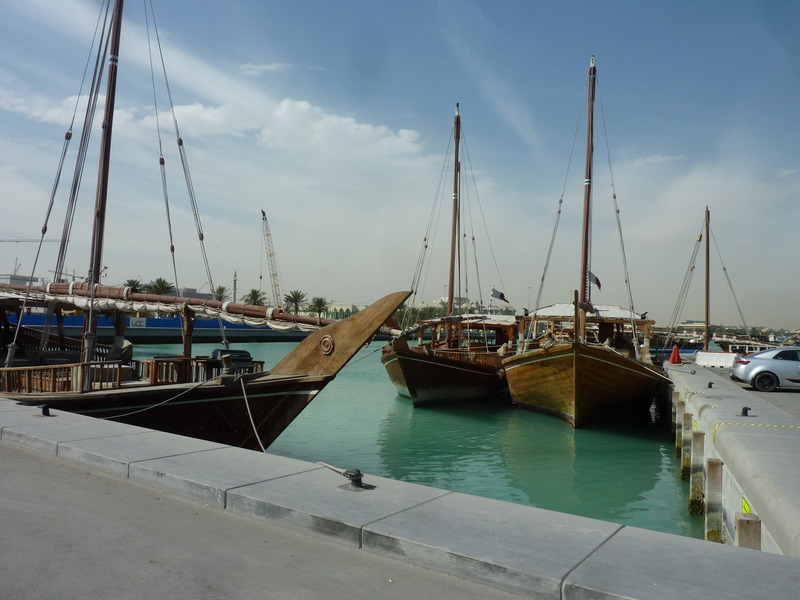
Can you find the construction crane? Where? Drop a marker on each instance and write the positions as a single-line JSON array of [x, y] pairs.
[[277, 297], [17, 264]]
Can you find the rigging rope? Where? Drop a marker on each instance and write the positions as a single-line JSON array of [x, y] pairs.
[[730, 285], [485, 226], [100, 25], [529, 333], [161, 160], [187, 174], [621, 240], [684, 291], [465, 228], [428, 242]]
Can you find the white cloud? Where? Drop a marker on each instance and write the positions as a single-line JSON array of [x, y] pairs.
[[252, 70]]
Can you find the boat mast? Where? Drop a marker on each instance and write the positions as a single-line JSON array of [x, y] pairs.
[[707, 337], [98, 230], [454, 226], [585, 295]]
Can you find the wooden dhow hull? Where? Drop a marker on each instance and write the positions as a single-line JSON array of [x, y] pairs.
[[249, 410], [581, 383], [214, 411], [441, 377]]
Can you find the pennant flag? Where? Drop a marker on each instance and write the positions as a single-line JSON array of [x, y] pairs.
[[498, 294], [593, 279]]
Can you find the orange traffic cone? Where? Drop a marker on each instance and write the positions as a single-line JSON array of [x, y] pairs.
[[675, 357]]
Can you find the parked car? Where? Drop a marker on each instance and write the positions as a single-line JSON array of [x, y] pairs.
[[769, 369]]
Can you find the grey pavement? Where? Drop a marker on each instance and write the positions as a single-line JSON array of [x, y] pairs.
[[71, 531], [96, 509]]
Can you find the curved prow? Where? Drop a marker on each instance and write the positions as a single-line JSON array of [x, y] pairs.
[[326, 351]]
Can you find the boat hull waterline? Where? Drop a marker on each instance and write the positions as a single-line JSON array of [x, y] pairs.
[[581, 383]]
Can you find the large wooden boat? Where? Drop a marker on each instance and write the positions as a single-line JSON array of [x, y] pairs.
[[239, 405], [205, 397], [457, 357], [593, 377], [584, 363], [435, 371]]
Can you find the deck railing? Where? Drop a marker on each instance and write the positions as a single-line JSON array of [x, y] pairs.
[[159, 370], [54, 343], [61, 378], [480, 357]]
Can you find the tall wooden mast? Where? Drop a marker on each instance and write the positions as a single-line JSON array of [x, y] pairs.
[[454, 226], [707, 336], [98, 229], [585, 295]]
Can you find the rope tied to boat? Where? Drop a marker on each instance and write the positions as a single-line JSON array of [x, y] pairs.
[[141, 410], [250, 415]]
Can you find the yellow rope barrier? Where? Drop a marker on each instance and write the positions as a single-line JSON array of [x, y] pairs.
[[718, 425]]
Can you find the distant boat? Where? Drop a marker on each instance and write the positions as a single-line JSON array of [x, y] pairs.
[[169, 330], [582, 362], [720, 348], [228, 399], [462, 359]]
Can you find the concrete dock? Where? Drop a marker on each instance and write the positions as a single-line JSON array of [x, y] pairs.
[[96, 509], [749, 443]]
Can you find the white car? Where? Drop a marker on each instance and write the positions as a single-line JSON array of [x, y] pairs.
[[769, 369]]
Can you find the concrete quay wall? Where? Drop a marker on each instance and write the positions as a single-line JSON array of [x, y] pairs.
[[533, 552], [747, 445]]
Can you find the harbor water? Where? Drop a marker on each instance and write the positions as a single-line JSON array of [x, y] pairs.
[[626, 474]]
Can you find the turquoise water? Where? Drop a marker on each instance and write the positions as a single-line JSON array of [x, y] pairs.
[[627, 475]]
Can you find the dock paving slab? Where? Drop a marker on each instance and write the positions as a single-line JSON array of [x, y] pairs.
[[637, 563], [210, 475], [493, 541], [68, 527], [324, 502]]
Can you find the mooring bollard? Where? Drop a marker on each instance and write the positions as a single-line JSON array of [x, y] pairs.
[[697, 479], [748, 531], [713, 521], [679, 408], [686, 446]]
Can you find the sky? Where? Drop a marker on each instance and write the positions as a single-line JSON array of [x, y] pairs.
[[335, 118]]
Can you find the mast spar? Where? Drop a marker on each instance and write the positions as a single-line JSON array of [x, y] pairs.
[[707, 333], [454, 226], [585, 295], [98, 229]]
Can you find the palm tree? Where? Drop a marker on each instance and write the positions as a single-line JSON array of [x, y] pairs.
[[318, 305], [221, 293], [132, 283], [294, 299], [254, 297], [159, 286]]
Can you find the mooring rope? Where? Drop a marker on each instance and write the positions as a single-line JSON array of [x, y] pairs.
[[250, 414], [146, 408]]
